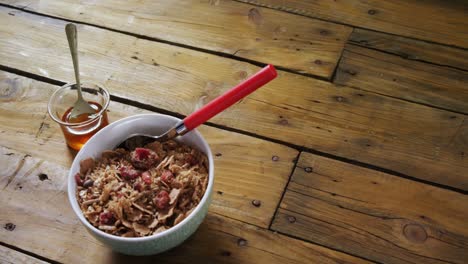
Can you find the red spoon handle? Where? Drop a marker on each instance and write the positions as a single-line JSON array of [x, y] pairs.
[[230, 97]]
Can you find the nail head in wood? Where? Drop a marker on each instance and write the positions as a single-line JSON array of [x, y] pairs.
[[256, 203]]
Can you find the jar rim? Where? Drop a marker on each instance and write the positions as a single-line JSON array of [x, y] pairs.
[[89, 121]]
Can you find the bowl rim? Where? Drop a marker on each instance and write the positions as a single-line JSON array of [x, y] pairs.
[[71, 191]]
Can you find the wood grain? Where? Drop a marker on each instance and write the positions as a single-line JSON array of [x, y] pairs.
[[411, 49], [254, 33], [51, 229], [45, 224], [222, 240], [307, 112], [23, 117], [10, 256], [415, 81], [373, 215], [436, 20]]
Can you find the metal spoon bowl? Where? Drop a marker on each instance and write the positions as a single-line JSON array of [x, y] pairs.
[[137, 140]]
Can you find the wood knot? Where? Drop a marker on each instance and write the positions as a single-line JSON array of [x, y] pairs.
[[218, 154], [43, 176], [225, 253], [220, 192], [318, 62], [241, 75], [291, 219], [283, 122], [255, 16], [9, 89], [274, 158], [308, 169], [10, 226], [414, 233], [324, 32], [372, 12]]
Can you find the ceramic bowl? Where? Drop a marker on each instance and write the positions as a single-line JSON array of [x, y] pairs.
[[108, 138]]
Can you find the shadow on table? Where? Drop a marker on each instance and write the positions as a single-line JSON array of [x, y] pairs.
[[180, 254], [210, 243]]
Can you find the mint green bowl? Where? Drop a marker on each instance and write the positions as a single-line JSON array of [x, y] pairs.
[[108, 138]]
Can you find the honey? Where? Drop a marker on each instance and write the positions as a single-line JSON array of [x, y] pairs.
[[77, 135]]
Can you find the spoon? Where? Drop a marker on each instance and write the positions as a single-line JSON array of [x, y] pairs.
[[81, 106], [206, 112]]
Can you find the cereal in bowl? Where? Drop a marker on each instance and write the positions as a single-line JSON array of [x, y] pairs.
[[141, 192]]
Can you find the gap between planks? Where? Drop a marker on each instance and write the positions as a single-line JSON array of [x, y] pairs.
[[284, 9], [154, 39], [235, 130], [354, 44], [403, 57], [331, 79], [334, 249], [34, 255], [296, 160]]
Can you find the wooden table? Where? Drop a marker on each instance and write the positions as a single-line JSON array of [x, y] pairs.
[[356, 153]]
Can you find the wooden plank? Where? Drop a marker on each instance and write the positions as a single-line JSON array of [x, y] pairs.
[[51, 229], [221, 240], [23, 115], [436, 20], [374, 215], [46, 225], [411, 49], [339, 120], [420, 82], [10, 256], [233, 28]]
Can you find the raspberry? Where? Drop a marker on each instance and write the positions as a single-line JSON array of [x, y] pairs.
[[106, 218], [78, 179], [129, 173], [142, 153], [167, 176], [162, 199], [146, 177], [143, 158]]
